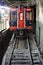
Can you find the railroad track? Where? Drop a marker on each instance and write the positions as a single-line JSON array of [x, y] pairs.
[[35, 54], [22, 52]]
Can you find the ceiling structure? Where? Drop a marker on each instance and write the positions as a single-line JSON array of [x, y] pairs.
[[14, 3]]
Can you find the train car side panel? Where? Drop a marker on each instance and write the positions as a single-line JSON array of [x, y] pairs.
[[29, 19], [13, 19]]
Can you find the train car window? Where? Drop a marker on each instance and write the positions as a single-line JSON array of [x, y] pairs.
[[13, 16], [29, 18], [29, 15], [21, 16]]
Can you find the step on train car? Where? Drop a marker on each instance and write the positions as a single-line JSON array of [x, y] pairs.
[[21, 20]]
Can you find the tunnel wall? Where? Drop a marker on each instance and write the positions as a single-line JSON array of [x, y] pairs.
[[4, 17], [37, 22], [39, 25]]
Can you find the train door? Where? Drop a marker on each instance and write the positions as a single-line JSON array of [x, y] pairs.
[[21, 18], [29, 18]]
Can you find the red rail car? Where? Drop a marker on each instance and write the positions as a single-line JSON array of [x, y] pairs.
[[22, 19]]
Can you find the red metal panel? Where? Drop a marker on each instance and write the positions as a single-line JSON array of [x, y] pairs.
[[20, 18], [13, 28]]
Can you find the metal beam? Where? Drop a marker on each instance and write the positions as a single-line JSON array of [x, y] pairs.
[[14, 3]]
